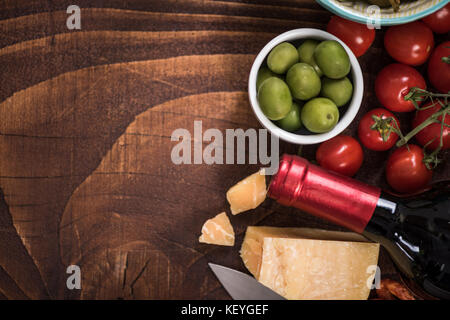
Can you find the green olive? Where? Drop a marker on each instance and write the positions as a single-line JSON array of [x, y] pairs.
[[275, 98], [332, 59], [282, 57], [303, 81], [338, 90], [306, 54], [291, 122], [319, 115], [263, 74]]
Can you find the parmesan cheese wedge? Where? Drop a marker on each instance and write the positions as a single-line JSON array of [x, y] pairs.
[[218, 230], [309, 269], [248, 193], [252, 246]]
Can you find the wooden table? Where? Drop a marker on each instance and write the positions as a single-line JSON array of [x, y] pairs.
[[86, 118]]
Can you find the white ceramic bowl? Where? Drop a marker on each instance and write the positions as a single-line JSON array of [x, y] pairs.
[[345, 119]]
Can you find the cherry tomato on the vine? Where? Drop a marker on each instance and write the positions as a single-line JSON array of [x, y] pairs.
[[431, 134], [393, 83], [357, 36], [409, 43], [439, 21], [405, 170], [439, 67], [341, 154], [378, 134]]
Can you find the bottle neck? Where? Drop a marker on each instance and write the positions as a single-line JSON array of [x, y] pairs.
[[327, 195], [387, 205]]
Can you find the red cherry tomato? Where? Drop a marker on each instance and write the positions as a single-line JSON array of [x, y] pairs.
[[355, 35], [409, 43], [432, 132], [341, 154], [438, 69], [405, 171], [393, 82], [439, 21], [380, 138]]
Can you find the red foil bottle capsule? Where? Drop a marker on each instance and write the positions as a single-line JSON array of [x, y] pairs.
[[325, 194]]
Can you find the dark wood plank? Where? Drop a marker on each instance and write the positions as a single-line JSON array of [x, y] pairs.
[[19, 276], [48, 57]]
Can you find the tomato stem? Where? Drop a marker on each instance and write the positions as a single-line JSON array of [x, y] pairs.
[[431, 160], [416, 95], [385, 126], [446, 59], [431, 119]]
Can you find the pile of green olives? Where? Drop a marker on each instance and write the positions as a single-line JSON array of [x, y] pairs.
[[305, 86]]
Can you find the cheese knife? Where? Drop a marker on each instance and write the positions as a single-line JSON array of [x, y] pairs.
[[241, 286]]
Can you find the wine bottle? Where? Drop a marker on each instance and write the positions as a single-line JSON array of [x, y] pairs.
[[414, 230]]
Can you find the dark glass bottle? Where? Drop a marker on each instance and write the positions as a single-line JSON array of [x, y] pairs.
[[415, 230]]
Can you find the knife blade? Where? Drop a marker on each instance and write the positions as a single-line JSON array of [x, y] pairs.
[[241, 286]]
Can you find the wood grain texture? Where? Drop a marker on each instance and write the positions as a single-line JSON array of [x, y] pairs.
[[85, 124]]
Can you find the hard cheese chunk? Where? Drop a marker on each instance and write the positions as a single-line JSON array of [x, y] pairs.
[[251, 250], [218, 230], [309, 269], [248, 193]]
